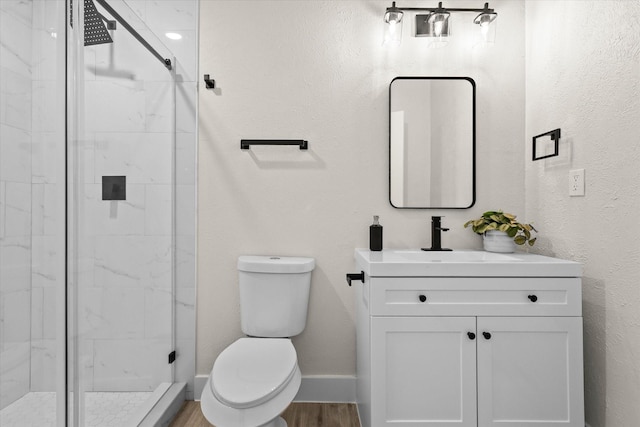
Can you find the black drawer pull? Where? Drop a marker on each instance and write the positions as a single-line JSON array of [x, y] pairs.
[[533, 298], [486, 335], [471, 335], [422, 298]]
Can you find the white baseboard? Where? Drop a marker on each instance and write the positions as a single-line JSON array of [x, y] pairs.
[[327, 388], [314, 388], [198, 386]]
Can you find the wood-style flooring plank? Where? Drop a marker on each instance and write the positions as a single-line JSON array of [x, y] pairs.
[[298, 414]]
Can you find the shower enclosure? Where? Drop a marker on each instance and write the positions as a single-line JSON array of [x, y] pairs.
[[97, 218]]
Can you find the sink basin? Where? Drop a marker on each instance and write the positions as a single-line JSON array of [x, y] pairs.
[[453, 256], [463, 263]]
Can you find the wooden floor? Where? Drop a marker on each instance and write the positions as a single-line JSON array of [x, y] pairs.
[[296, 415]]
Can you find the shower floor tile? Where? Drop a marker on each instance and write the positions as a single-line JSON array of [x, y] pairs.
[[103, 409]]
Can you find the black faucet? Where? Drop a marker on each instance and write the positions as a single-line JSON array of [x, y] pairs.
[[436, 237]]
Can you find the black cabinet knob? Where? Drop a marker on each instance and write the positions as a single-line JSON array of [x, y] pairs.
[[486, 335], [422, 298], [533, 298], [471, 335]]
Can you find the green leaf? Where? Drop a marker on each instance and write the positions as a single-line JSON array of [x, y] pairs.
[[510, 216], [520, 240], [532, 241], [512, 231], [491, 226], [503, 227], [468, 223]]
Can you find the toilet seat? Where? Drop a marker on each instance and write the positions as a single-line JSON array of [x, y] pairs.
[[252, 370]]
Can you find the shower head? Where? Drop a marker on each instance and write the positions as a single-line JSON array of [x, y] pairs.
[[95, 32]]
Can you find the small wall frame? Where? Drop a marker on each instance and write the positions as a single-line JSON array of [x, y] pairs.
[[555, 137]]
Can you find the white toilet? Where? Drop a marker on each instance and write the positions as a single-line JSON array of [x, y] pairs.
[[256, 378]]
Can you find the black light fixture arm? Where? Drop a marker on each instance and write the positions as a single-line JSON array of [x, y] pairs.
[[486, 9]]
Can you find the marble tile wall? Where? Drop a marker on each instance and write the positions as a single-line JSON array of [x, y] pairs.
[[15, 198], [181, 16], [129, 122], [47, 142]]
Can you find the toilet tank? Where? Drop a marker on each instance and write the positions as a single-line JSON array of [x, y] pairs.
[[274, 294]]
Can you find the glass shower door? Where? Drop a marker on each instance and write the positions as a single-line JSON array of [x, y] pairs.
[[120, 223]]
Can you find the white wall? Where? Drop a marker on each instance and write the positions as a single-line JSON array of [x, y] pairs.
[[583, 75], [316, 70]]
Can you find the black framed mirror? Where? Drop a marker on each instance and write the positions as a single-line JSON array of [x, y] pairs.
[[432, 140]]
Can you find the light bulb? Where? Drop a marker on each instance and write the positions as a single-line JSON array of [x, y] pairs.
[[487, 26], [392, 27], [439, 22], [437, 28]]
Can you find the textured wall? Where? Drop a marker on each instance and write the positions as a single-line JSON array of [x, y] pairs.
[[316, 70], [583, 75]]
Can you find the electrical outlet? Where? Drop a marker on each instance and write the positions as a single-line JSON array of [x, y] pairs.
[[576, 182]]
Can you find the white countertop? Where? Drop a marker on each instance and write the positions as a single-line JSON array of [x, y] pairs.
[[462, 263]]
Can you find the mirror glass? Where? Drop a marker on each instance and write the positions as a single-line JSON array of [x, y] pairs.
[[432, 142]]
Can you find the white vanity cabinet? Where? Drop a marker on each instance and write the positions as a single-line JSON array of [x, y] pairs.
[[469, 351]]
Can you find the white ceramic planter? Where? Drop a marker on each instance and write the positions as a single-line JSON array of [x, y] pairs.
[[498, 241]]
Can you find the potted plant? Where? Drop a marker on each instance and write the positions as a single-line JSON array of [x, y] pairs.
[[501, 232]]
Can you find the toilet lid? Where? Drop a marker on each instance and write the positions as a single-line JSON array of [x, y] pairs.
[[252, 370]]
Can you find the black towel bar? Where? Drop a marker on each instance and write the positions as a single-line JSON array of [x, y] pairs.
[[245, 144]]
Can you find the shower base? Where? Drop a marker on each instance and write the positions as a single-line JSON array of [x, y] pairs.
[[102, 409]]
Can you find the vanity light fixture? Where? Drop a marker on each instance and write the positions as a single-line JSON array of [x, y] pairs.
[[436, 22]]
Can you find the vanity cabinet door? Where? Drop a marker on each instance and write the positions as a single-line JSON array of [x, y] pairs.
[[530, 372], [423, 371]]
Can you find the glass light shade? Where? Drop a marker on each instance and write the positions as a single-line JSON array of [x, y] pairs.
[[439, 24], [392, 27], [487, 26]]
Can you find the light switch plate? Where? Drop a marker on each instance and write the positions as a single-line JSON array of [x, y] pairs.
[[576, 182]]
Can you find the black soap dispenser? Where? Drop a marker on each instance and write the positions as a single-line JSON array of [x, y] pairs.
[[375, 235]]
